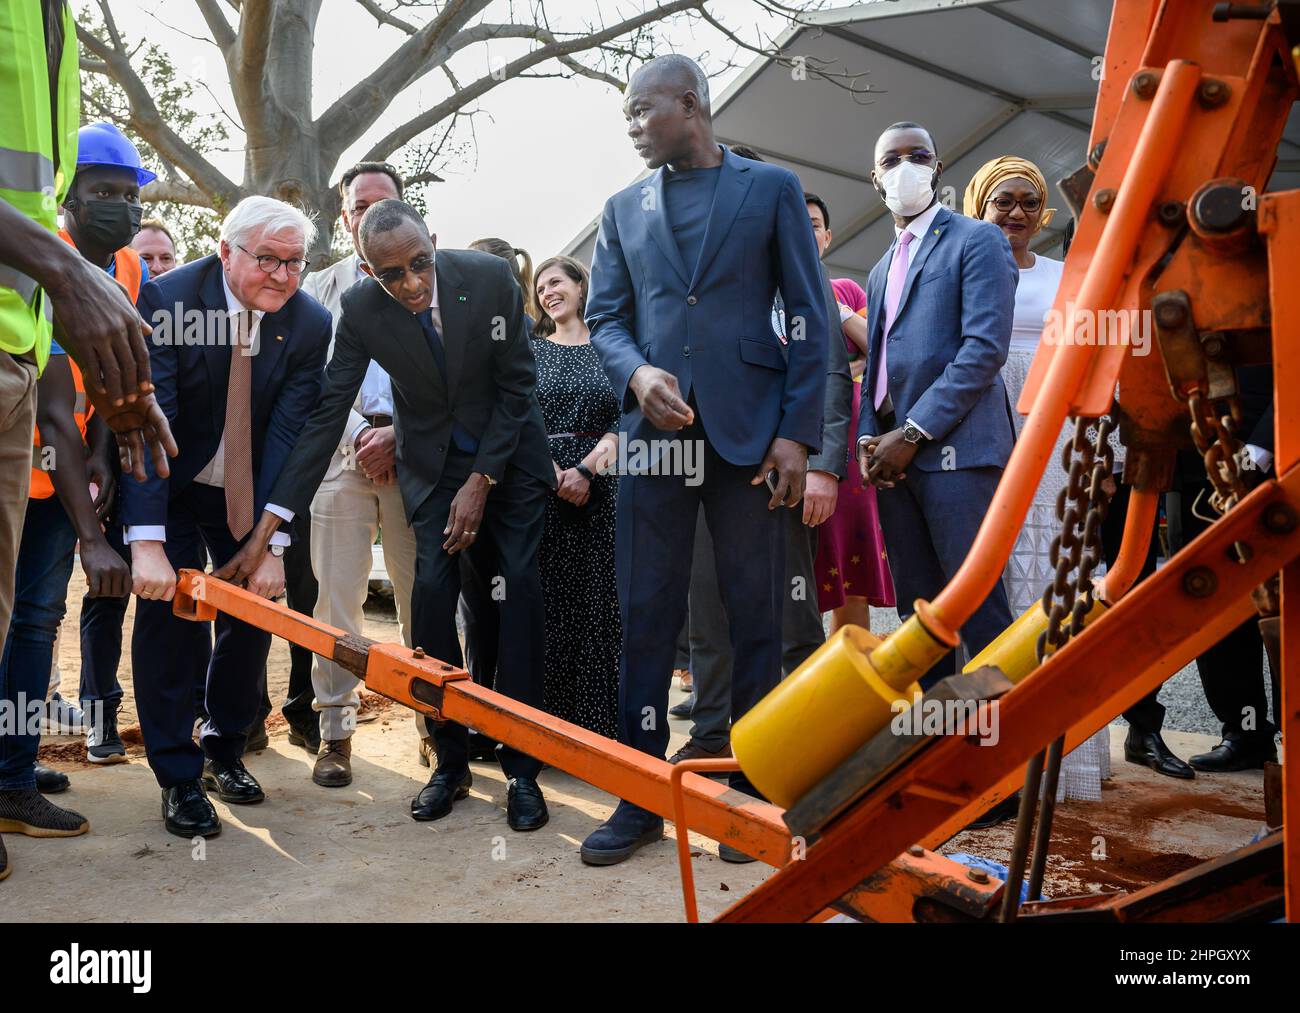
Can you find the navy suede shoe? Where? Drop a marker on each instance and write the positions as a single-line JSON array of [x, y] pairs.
[[628, 829]]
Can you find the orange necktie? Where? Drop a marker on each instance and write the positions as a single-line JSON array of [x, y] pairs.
[[237, 432]]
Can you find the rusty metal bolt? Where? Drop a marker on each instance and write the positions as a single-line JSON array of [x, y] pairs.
[[1213, 94], [1171, 212], [419, 652], [1104, 200], [1094, 156], [1213, 345], [1171, 313], [1279, 518], [1145, 84], [915, 850], [1200, 582], [977, 875]]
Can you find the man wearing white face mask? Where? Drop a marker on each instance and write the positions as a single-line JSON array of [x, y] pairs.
[[935, 429]]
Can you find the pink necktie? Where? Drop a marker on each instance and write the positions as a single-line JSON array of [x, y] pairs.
[[893, 296]]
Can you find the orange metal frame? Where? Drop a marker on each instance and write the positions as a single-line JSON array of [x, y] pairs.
[[1182, 100]]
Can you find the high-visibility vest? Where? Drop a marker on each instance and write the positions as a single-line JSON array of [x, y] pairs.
[[38, 156], [128, 272]]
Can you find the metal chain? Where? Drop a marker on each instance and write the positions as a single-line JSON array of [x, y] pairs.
[[1219, 448], [1081, 508]]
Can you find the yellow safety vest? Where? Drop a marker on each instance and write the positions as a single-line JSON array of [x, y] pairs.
[[38, 156]]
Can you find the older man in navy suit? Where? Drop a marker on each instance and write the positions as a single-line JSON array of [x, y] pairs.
[[237, 358], [686, 269], [935, 430]]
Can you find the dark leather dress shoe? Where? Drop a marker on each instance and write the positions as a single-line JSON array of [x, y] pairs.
[[1007, 809], [436, 798], [50, 782], [734, 855], [1149, 750], [482, 747], [525, 806], [257, 739], [683, 709], [629, 829], [305, 737], [232, 782], [1235, 752], [187, 812]]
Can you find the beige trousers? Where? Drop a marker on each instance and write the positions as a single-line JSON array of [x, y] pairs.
[[17, 418], [348, 512]]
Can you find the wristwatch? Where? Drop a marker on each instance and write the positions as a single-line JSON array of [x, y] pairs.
[[911, 433], [490, 480], [584, 471], [277, 550]]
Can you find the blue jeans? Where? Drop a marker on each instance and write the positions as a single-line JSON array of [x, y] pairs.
[[40, 599]]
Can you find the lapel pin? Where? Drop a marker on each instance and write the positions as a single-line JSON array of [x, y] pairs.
[[460, 298], [279, 337]]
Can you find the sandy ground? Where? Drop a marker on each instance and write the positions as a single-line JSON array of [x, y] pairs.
[[310, 853]]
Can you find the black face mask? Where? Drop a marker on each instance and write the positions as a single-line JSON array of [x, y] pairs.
[[110, 224]]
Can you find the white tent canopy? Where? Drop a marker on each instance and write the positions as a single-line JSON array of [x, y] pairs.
[[987, 77]]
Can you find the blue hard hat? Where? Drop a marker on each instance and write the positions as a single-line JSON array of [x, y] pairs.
[[104, 144]]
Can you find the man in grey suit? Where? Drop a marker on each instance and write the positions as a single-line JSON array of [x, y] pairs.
[[935, 430], [472, 456]]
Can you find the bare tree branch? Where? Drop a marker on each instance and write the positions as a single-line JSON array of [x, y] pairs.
[[146, 121], [357, 110], [386, 18], [418, 124], [222, 34], [247, 64], [421, 177], [177, 191]]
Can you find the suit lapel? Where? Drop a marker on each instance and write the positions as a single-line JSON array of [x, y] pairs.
[[272, 336], [453, 307], [215, 350], [655, 212], [933, 236], [734, 181], [398, 325], [876, 311]]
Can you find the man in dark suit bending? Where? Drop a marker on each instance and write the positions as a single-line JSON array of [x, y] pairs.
[[472, 458]]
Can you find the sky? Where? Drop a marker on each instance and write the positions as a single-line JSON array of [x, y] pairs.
[[548, 152]]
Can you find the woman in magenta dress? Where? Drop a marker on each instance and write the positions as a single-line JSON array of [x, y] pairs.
[[852, 567]]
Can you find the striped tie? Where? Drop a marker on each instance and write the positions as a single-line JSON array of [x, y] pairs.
[[237, 433]]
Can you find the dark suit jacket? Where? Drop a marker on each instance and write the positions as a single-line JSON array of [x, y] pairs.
[[837, 410], [710, 324], [189, 356], [489, 387], [948, 344]]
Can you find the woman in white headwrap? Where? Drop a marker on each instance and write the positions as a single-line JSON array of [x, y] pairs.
[[1011, 193]]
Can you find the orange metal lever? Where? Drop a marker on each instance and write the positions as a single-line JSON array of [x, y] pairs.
[[679, 820], [1125, 226], [1139, 525]]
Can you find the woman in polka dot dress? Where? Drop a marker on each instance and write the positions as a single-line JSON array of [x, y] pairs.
[[583, 632]]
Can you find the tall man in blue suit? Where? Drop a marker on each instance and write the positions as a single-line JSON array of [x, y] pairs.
[[237, 358], [687, 266], [935, 429]]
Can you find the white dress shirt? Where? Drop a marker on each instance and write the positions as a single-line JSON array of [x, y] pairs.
[[214, 472]]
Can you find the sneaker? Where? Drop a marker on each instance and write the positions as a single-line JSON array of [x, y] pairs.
[[27, 811], [103, 743], [62, 717]]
